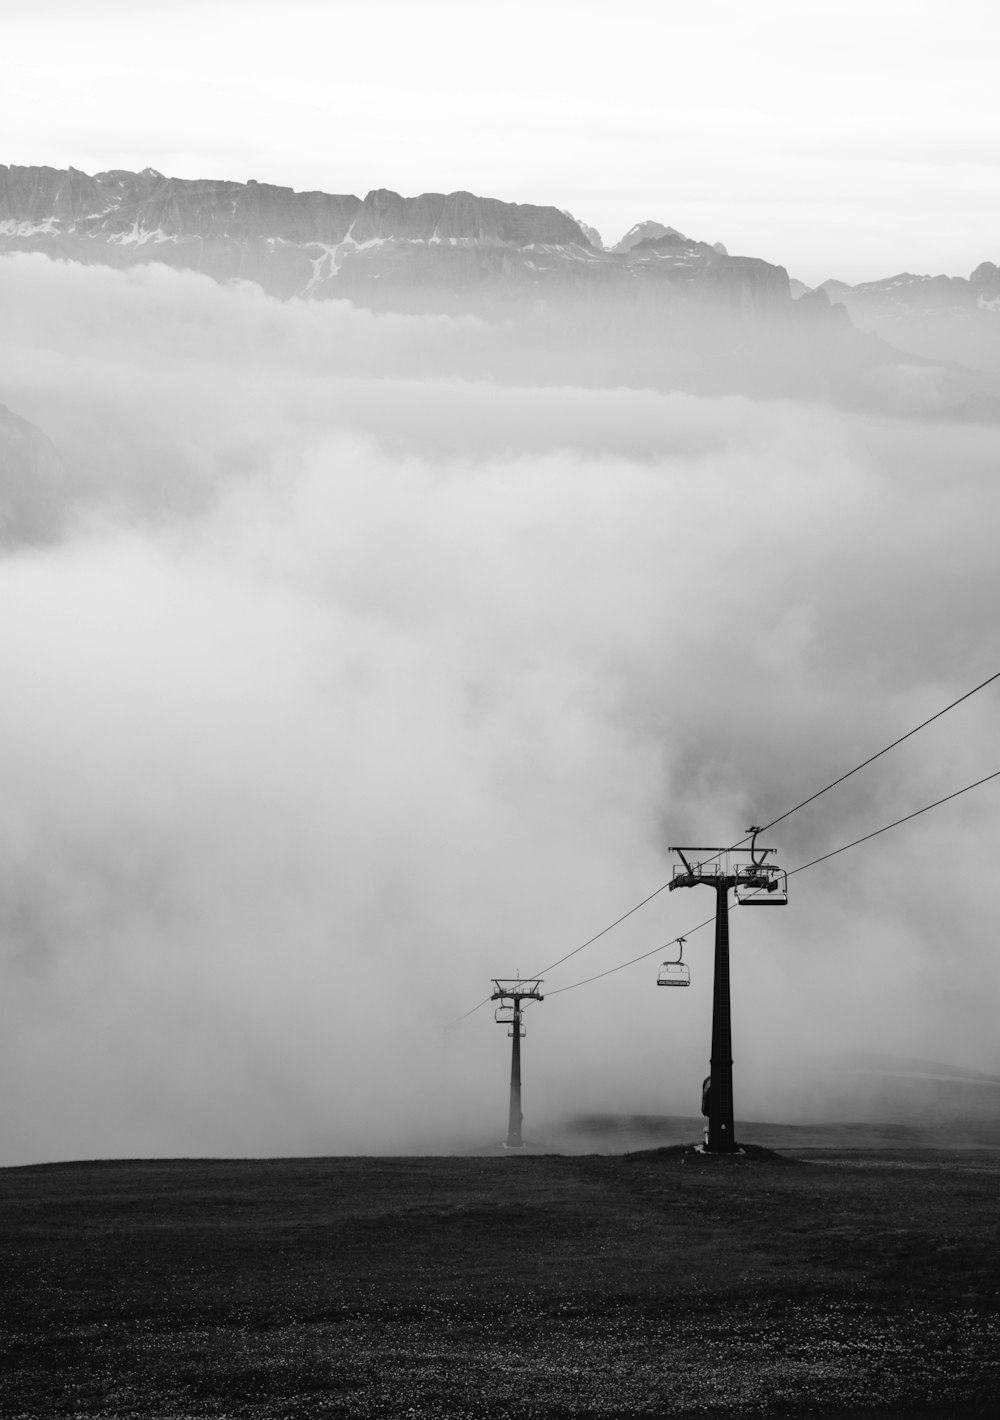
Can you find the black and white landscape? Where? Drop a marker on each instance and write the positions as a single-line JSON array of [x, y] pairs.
[[451, 455], [389, 581]]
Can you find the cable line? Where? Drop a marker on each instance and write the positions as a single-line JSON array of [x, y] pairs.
[[455, 1019], [916, 814], [791, 873], [780, 819], [870, 760], [788, 813], [602, 933], [610, 971], [621, 967]]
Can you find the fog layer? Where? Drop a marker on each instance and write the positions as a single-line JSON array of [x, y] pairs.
[[344, 682]]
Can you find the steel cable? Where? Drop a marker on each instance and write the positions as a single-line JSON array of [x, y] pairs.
[[763, 829], [800, 869]]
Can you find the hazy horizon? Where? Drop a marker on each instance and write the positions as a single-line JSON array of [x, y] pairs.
[[846, 141]]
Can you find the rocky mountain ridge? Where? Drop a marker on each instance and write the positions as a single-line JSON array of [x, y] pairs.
[[317, 244], [981, 290], [937, 317], [663, 310]]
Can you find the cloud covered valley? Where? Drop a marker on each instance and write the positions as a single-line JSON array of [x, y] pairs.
[[354, 659]]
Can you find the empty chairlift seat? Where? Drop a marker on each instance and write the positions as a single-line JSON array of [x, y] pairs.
[[674, 973]]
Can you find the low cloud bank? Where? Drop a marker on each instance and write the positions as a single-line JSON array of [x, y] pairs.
[[349, 682]]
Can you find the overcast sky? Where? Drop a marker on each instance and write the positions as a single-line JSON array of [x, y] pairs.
[[842, 139]]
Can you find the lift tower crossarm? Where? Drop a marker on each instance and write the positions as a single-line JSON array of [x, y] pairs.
[[511, 988]]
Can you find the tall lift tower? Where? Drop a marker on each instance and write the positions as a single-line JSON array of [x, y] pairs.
[[510, 993], [757, 884]]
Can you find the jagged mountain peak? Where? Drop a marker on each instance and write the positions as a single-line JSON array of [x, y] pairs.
[[591, 233], [939, 317], [645, 231]]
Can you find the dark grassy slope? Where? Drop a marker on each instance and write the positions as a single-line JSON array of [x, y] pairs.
[[653, 1283]]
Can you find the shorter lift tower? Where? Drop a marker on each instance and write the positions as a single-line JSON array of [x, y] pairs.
[[510, 994], [757, 884]]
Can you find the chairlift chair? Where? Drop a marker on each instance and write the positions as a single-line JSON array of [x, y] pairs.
[[764, 886], [761, 884], [675, 973]]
